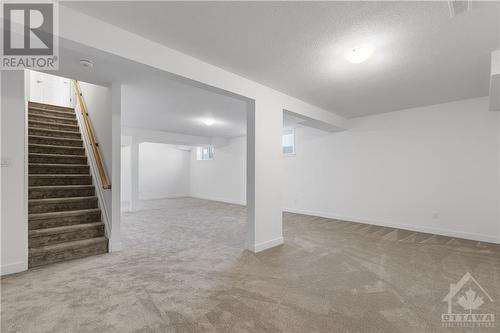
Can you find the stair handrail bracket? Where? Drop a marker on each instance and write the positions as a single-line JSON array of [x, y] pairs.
[[103, 177]]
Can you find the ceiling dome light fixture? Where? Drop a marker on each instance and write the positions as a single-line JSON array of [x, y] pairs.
[[359, 54], [209, 122], [86, 63]]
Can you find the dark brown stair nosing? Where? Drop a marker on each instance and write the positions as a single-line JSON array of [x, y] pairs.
[[57, 158], [64, 175], [58, 165], [37, 145], [59, 204], [57, 138], [57, 219], [64, 229], [53, 119], [64, 199], [68, 176], [66, 246], [60, 191], [56, 150], [59, 187], [42, 216], [58, 155], [50, 169], [49, 123], [64, 114], [77, 251], [72, 133], [56, 179], [43, 123], [39, 105], [66, 233]]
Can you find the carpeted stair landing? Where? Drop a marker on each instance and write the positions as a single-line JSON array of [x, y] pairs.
[[64, 218]]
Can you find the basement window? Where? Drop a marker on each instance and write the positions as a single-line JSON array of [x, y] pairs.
[[289, 142], [205, 153]]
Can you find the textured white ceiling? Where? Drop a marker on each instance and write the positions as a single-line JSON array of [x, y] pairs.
[[423, 55], [162, 104], [152, 99]]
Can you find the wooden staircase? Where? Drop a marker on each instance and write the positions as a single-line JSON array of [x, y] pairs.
[[64, 218]]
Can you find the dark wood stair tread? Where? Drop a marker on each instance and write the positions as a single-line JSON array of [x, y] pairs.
[[71, 199], [53, 130], [40, 216], [35, 124], [62, 218], [45, 106], [57, 165], [51, 123], [64, 229], [30, 136], [57, 156], [60, 187], [74, 175], [50, 117], [55, 146], [65, 114], [67, 246]]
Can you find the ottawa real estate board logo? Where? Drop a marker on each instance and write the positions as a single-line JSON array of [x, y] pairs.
[[469, 305], [30, 35]]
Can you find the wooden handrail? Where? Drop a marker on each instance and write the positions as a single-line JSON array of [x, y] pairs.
[[90, 133]]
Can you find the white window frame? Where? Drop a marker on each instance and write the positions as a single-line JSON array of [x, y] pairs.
[[288, 131], [201, 150]]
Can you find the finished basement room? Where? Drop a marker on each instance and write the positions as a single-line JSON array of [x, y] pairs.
[[264, 167]]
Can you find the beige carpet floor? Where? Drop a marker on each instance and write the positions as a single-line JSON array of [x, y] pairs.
[[183, 269]]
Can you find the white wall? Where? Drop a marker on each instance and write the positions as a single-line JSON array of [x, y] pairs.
[[224, 177], [163, 171], [50, 89], [98, 101], [115, 175], [432, 169], [125, 175], [14, 210]]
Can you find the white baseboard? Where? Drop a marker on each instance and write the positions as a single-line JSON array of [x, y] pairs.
[[15, 267], [412, 227], [258, 247], [115, 246], [230, 201], [125, 205], [172, 196]]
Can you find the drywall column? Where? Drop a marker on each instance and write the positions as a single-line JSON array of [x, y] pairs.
[[495, 81], [264, 159], [495, 102], [116, 125], [14, 218], [134, 175]]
